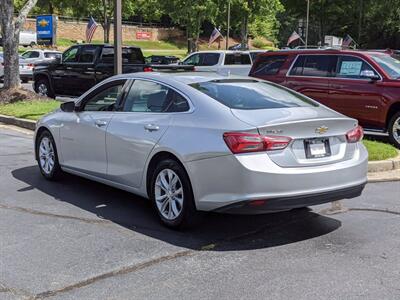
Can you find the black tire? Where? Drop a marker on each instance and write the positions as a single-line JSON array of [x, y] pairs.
[[32, 44], [188, 216], [24, 80], [49, 92], [56, 172], [393, 121]]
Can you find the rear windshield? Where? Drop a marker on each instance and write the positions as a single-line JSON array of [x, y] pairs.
[[252, 94], [52, 55], [129, 55]]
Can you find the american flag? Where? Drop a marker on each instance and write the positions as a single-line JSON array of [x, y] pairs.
[[90, 29], [347, 41], [214, 35], [294, 37]]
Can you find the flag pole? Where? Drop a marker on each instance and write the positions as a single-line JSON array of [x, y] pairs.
[[228, 25], [117, 37], [307, 22]]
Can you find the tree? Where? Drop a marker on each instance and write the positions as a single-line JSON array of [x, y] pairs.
[[191, 14], [10, 30]]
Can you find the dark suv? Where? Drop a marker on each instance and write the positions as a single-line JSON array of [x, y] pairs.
[[364, 85]]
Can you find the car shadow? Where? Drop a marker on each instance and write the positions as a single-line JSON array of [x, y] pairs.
[[215, 231]]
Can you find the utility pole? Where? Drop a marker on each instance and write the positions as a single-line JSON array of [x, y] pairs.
[[360, 20], [228, 25], [117, 37], [307, 22]]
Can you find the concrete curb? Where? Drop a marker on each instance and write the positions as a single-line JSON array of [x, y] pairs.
[[24, 123], [384, 165]]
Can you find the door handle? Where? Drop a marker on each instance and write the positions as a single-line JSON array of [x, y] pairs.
[[151, 127], [100, 123]]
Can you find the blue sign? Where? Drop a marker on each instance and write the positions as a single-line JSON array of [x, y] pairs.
[[44, 27]]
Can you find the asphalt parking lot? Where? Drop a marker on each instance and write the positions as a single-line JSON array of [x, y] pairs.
[[77, 239]]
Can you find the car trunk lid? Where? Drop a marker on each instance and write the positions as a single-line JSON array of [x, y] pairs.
[[318, 134]]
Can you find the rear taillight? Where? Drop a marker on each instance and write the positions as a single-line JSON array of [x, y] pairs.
[[147, 69], [239, 142], [355, 135]]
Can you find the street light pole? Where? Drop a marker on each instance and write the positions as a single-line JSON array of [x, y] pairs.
[[307, 21], [228, 25], [117, 37]]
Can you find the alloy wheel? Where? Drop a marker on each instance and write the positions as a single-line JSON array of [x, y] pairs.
[[42, 89], [169, 194], [396, 130], [46, 155]]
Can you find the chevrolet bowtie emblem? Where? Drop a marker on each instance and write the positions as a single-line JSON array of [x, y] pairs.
[[321, 130], [43, 23]]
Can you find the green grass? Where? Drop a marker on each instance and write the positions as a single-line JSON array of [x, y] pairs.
[[162, 45], [32, 110], [380, 151]]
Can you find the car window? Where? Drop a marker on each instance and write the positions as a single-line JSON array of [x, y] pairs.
[[176, 102], [192, 60], [353, 67], [146, 96], [129, 55], [237, 59], [209, 59], [26, 54], [390, 64], [106, 99], [34, 54], [71, 55], [314, 65], [88, 54], [252, 94], [269, 65], [52, 55]]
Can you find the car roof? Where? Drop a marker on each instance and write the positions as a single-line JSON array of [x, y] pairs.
[[323, 51]]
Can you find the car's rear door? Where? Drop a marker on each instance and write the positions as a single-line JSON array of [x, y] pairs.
[[83, 133], [355, 95], [134, 132], [310, 75]]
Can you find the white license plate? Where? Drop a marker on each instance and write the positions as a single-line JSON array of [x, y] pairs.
[[317, 149]]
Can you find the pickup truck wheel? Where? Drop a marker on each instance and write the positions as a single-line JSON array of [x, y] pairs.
[[32, 44], [394, 129], [42, 87]]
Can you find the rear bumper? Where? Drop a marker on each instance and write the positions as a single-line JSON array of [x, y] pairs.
[[221, 182], [287, 203]]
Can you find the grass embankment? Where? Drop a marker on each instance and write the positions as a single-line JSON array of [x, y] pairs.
[[380, 151], [32, 110]]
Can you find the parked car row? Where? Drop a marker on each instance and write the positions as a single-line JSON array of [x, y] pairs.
[[361, 84]]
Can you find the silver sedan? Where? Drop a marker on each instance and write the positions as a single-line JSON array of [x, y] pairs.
[[205, 142]]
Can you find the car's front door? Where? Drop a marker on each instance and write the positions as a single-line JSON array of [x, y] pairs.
[[63, 74], [83, 133], [310, 75], [85, 71], [133, 132], [353, 93]]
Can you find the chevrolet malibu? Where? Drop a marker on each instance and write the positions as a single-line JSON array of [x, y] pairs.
[[205, 142]]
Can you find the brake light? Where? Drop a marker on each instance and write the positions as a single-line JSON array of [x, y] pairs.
[[239, 142], [355, 135], [147, 69]]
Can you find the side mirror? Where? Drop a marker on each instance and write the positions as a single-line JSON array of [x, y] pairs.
[[68, 106], [370, 75]]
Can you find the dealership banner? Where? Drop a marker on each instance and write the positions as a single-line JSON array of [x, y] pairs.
[[143, 35]]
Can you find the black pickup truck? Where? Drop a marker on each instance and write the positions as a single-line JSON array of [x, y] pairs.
[[83, 66]]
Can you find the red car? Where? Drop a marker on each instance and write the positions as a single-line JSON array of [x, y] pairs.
[[364, 85]]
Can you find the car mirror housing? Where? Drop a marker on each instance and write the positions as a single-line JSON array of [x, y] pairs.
[[68, 106], [370, 75]]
